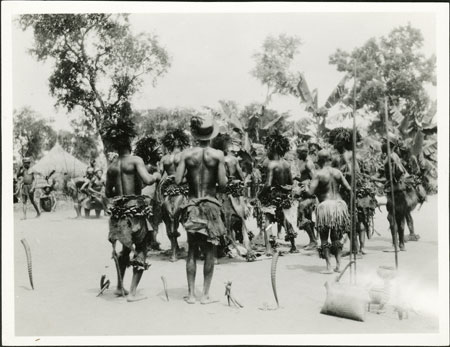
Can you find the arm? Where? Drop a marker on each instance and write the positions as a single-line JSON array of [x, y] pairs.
[[290, 181], [311, 168], [181, 169], [221, 171], [109, 187], [147, 178], [269, 176], [239, 171], [344, 182], [313, 186]]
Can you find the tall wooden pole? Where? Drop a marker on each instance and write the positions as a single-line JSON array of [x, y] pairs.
[[353, 195], [395, 226]]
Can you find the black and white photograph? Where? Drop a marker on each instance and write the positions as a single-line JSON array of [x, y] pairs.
[[225, 173]]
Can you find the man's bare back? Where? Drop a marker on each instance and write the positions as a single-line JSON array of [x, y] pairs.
[[325, 184], [204, 168], [125, 176], [169, 163], [279, 173]]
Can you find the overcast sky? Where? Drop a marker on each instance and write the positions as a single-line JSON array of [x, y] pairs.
[[212, 56]]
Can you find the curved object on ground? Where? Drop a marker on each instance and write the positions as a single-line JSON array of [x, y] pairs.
[[273, 276], [28, 253], [165, 287]]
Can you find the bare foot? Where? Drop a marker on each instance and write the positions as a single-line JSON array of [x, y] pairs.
[[173, 258], [326, 272], [189, 299], [337, 270], [363, 251], [119, 292], [133, 298], [310, 246], [294, 250], [207, 300]]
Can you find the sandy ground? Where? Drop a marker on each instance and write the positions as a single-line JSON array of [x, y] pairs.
[[69, 257]]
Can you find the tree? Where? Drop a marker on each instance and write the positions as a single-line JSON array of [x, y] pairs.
[[273, 63], [392, 67], [32, 134], [83, 147], [156, 122], [98, 63]]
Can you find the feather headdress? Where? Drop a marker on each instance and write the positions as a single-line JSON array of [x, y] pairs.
[[342, 138], [221, 142], [277, 143], [175, 138], [147, 148], [118, 132]]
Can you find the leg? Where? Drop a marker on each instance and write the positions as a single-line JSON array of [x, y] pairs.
[[410, 223], [87, 213], [191, 268], [34, 204], [401, 231], [208, 271], [324, 250], [309, 228], [291, 235], [246, 241], [267, 233], [122, 262], [137, 275], [97, 213], [24, 206]]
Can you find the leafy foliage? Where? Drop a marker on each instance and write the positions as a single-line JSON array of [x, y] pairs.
[[154, 122], [98, 63], [391, 66], [273, 63], [83, 147], [32, 134]]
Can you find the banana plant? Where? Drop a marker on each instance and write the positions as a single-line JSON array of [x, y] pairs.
[[311, 100]]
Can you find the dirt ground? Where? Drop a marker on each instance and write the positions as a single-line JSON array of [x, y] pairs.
[[70, 255]]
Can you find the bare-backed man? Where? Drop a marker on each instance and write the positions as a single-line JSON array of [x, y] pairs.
[[332, 215], [129, 209], [232, 199], [171, 195], [204, 169], [306, 205], [275, 196]]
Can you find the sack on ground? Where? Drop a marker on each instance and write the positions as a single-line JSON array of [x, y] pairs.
[[346, 301]]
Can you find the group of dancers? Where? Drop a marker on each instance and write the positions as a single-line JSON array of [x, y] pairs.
[[203, 186]]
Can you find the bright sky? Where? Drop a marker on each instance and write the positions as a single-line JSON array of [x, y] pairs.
[[212, 56]]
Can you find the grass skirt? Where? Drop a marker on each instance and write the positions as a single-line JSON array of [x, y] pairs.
[[332, 220]]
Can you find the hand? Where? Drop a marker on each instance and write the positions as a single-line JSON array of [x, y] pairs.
[[157, 176]]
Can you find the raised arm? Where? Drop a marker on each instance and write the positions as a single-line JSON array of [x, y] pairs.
[[181, 169]]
